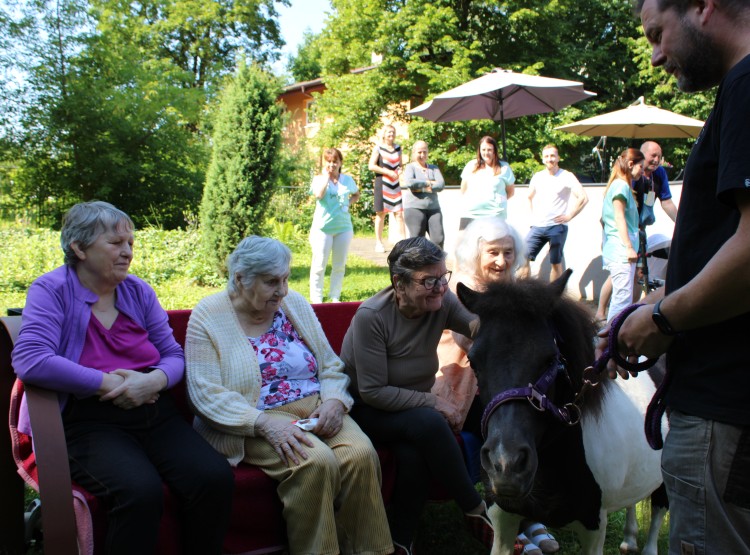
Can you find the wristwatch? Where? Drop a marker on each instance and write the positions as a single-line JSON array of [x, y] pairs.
[[661, 321]]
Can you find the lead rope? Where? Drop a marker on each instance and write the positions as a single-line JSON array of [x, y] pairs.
[[657, 406]]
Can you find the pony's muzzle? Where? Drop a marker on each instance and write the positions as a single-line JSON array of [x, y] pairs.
[[511, 470]]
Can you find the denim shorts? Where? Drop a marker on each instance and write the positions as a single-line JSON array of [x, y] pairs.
[[539, 236]]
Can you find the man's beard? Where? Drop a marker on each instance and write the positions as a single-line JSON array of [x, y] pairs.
[[698, 61]]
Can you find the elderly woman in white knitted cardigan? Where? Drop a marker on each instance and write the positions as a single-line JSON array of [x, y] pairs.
[[257, 361]]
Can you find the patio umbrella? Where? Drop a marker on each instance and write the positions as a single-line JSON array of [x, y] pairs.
[[501, 95], [637, 121]]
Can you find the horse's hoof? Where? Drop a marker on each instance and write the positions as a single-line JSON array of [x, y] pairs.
[[626, 548]]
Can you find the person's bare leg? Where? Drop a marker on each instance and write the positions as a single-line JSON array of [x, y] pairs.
[[604, 297], [379, 222], [555, 272], [400, 225]]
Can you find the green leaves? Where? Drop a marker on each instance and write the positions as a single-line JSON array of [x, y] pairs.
[[242, 172], [428, 47], [115, 96]]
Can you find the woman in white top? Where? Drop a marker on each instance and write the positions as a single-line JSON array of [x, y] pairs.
[[331, 229], [486, 184]]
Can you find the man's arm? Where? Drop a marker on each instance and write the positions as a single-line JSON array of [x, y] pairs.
[[580, 200], [670, 208], [530, 196], [719, 292]]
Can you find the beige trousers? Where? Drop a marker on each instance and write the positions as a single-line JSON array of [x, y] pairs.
[[332, 501]]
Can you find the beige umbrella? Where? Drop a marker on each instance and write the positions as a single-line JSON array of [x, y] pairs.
[[637, 121], [500, 95]]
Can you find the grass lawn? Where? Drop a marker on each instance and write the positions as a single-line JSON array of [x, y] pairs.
[[442, 532]]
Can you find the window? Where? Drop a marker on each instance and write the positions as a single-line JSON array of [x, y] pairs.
[[311, 115]]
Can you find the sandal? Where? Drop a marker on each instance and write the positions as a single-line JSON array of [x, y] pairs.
[[539, 535], [480, 527], [529, 547]]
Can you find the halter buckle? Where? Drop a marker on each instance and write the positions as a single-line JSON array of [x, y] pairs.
[[536, 399]]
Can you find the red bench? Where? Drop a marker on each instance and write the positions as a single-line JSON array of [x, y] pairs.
[[256, 525]]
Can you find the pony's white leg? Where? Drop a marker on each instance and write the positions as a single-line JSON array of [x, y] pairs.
[[592, 541], [630, 532], [657, 519], [505, 526]]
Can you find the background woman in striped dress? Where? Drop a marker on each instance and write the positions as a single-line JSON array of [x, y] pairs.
[[386, 163]]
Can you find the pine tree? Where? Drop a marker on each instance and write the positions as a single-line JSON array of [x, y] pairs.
[[240, 179]]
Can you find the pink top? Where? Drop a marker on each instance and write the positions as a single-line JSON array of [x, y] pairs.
[[124, 345]]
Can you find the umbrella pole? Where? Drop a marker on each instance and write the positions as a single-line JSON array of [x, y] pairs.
[[502, 128]]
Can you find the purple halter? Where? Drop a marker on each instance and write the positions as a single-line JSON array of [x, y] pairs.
[[536, 394], [570, 413]]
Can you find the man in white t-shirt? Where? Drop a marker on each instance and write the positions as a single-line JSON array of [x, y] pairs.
[[552, 207]]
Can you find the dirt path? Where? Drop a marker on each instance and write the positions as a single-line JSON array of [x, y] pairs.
[[364, 247]]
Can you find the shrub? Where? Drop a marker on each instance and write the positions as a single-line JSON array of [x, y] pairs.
[[242, 172]]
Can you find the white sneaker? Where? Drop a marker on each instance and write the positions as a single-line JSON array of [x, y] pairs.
[[379, 247]]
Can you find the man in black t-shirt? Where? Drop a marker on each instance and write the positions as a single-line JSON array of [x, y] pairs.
[[703, 321]]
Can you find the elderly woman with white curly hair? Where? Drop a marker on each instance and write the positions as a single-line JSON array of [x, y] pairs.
[[489, 251], [257, 362]]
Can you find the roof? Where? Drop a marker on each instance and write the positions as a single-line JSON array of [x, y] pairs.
[[303, 86]]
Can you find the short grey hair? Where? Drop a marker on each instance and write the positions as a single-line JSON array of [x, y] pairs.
[[85, 222], [409, 255], [486, 230], [255, 256]]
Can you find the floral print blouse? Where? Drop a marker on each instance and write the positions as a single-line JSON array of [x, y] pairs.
[[288, 368]]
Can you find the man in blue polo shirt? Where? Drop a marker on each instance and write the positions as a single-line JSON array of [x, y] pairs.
[[654, 180]]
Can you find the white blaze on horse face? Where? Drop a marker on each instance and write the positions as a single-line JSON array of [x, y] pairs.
[[623, 464]]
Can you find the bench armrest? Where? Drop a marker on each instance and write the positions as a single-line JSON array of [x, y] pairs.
[[11, 484], [55, 489], [51, 454]]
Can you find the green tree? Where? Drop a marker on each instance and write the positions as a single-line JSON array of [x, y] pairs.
[[106, 123], [239, 184], [202, 38], [305, 65], [114, 96]]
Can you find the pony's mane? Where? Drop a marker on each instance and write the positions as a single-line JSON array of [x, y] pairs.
[[531, 300]]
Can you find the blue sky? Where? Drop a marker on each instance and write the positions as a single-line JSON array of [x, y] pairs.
[[294, 20]]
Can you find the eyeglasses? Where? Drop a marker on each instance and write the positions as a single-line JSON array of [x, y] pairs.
[[432, 281]]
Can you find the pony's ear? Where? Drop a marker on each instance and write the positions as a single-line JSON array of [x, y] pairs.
[[466, 295], [558, 286]]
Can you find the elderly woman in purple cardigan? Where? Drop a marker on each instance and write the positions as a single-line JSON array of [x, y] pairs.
[[98, 336]]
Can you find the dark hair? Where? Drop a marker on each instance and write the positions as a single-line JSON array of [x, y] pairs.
[[333, 153], [490, 141], [409, 255]]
